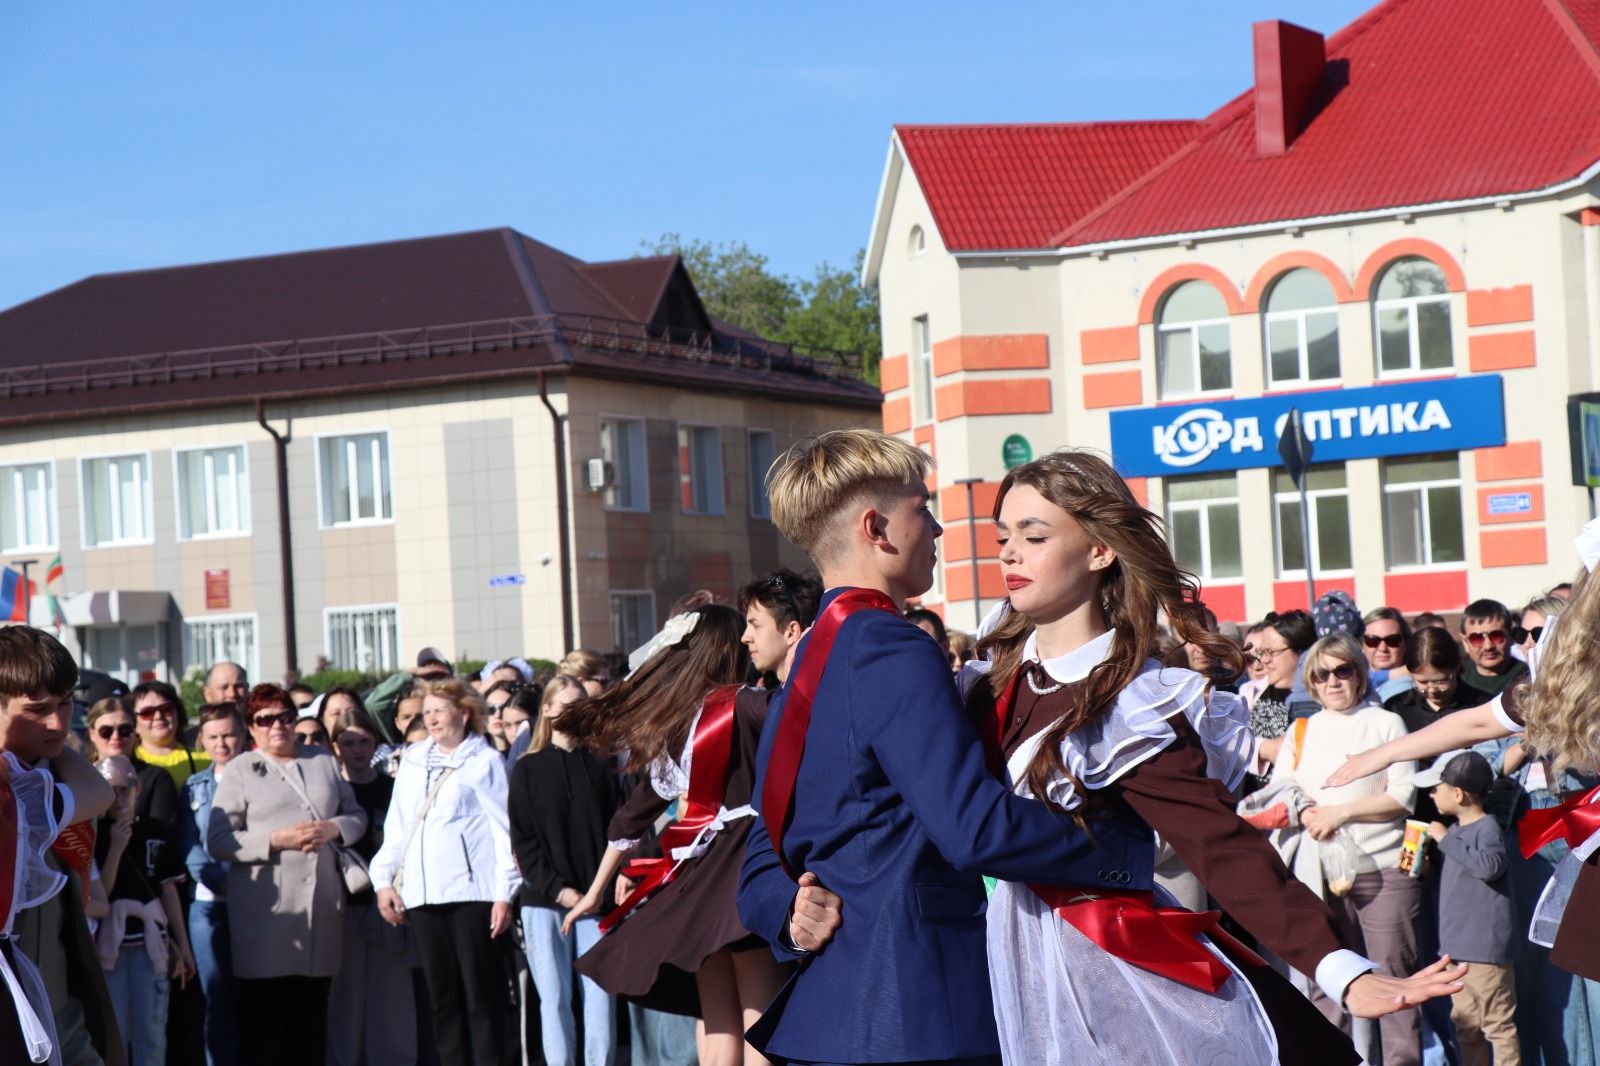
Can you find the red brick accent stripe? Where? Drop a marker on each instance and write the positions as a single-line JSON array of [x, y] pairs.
[[1122, 388], [1500, 351], [1119, 344], [1512, 461], [1513, 547], [1006, 396], [1494, 307], [1007, 351]]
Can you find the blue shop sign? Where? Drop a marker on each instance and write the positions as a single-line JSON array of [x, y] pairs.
[[1511, 503], [1402, 419]]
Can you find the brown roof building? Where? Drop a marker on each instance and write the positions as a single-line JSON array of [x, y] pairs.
[[472, 441]]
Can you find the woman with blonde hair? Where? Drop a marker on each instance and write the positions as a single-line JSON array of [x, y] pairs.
[[685, 717], [446, 870], [1076, 708], [562, 798], [588, 667]]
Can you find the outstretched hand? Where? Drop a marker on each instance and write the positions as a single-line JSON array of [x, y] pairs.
[[1356, 767], [1372, 995], [815, 916], [587, 905]]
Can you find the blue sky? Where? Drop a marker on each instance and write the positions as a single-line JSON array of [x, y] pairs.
[[140, 135]]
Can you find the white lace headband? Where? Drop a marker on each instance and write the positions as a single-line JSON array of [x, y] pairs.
[[678, 627]]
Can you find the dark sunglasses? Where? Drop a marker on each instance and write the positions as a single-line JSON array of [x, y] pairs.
[[165, 710], [1497, 636], [318, 739], [1393, 640], [267, 721], [1519, 635], [782, 588], [106, 732], [1344, 672]]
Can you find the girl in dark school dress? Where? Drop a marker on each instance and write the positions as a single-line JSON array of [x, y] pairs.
[[1081, 714], [676, 942]]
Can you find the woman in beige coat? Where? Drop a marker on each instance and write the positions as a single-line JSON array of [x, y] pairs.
[[285, 891]]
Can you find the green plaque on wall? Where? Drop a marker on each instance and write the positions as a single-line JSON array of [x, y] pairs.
[[1015, 451]]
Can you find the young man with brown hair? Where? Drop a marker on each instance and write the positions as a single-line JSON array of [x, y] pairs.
[[37, 677]]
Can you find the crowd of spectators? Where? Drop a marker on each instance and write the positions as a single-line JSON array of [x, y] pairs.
[[379, 877]]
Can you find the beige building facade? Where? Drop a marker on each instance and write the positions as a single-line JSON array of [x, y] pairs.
[[1108, 327], [426, 496]]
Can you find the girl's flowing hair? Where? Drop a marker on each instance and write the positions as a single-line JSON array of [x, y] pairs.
[[1143, 583], [1562, 705], [649, 712]]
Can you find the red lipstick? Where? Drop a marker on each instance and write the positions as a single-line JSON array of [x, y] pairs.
[[1017, 581]]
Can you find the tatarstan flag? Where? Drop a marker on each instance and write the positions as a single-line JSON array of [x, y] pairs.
[[52, 590]]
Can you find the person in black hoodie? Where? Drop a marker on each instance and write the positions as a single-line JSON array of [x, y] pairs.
[[562, 798]]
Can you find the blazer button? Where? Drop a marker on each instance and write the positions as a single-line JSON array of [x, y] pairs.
[[1102, 875], [1127, 878]]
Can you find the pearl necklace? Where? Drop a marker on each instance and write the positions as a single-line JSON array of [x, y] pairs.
[[1037, 691]]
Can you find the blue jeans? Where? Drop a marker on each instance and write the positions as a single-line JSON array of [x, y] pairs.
[[550, 957], [661, 1039], [213, 957], [139, 999]]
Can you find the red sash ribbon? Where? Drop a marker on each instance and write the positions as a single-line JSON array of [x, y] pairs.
[[74, 845], [1574, 821], [789, 745], [1128, 925], [708, 782]]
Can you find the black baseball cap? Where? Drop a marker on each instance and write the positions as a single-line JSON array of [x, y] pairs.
[[430, 661], [1466, 770]]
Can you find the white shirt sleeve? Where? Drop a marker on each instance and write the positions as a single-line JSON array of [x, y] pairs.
[[1337, 969]]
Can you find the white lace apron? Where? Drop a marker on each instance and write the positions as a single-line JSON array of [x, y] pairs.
[[35, 883]]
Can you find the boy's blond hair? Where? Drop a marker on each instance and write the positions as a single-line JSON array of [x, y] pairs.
[[816, 479]]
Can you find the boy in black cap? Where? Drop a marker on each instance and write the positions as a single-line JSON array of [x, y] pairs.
[[1475, 913]]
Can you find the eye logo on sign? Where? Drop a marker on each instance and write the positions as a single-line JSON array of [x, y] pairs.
[[1402, 419]]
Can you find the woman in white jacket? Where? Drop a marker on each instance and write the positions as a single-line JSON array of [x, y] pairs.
[[446, 869]]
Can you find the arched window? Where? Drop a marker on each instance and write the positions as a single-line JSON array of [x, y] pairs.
[[917, 243], [1302, 323], [1412, 310], [1193, 352]]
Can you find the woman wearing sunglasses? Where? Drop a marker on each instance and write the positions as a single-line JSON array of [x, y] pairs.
[[276, 818], [158, 711], [1385, 640], [1380, 910], [112, 732]]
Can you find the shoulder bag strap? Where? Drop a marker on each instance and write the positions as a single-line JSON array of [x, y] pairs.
[[422, 812], [299, 790]]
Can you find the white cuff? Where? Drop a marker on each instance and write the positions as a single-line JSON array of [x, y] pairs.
[[623, 846], [69, 807], [1497, 706], [1337, 969]]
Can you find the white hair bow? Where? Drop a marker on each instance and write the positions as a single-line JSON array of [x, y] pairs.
[[1588, 544], [673, 633]]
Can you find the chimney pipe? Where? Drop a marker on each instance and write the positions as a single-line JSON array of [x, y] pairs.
[[1289, 61]]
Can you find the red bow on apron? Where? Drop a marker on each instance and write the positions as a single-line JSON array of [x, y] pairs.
[[1574, 821], [708, 782], [1129, 925]]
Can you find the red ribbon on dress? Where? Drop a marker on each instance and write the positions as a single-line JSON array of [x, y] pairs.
[[1574, 821], [1128, 925], [708, 783], [789, 745], [74, 845]]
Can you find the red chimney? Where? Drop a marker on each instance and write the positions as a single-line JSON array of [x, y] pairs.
[[1289, 62]]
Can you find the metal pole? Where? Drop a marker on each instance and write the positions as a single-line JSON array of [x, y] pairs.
[[972, 538], [1305, 540]]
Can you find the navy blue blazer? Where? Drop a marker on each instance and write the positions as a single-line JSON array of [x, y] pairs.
[[897, 814]]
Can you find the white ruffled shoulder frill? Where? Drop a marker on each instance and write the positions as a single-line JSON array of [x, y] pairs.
[[1139, 727], [33, 791]]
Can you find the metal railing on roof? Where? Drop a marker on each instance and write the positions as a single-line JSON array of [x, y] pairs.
[[426, 343]]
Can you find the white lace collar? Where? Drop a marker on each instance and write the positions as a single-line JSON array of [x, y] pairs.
[[1075, 664]]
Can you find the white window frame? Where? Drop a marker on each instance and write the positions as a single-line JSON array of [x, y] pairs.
[[1312, 496], [1299, 319], [758, 478], [721, 473], [922, 369], [324, 521], [52, 512], [611, 599], [1193, 329], [253, 663], [642, 475], [180, 511], [1203, 508], [1409, 304], [917, 241], [1427, 523], [85, 488], [328, 614]]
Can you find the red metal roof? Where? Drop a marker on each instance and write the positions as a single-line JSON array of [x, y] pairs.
[[1005, 187], [1422, 101]]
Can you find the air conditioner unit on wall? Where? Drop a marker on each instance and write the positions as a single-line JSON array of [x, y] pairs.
[[599, 475]]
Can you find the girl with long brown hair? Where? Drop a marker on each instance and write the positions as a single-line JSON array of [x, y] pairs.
[[686, 721], [1082, 715]]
